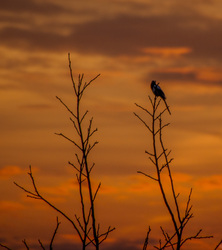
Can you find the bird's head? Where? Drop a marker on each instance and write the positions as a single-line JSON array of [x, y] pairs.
[[153, 83]]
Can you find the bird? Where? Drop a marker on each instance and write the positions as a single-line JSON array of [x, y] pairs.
[[159, 92]]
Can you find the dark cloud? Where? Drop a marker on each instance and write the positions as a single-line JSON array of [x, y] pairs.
[[30, 7], [181, 77], [128, 35], [173, 76], [125, 35], [30, 39]]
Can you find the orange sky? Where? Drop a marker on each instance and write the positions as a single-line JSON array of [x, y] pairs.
[[129, 43]]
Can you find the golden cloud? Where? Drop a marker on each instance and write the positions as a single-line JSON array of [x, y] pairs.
[[167, 51], [70, 237], [210, 183], [9, 171], [10, 206], [210, 74]]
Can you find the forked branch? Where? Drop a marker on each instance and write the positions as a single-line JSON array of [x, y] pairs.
[[86, 224], [159, 156]]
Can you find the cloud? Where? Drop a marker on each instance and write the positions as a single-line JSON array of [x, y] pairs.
[[36, 106], [9, 171], [122, 35], [210, 183], [62, 189], [126, 35], [201, 75], [10, 206], [30, 7], [167, 51], [173, 76]]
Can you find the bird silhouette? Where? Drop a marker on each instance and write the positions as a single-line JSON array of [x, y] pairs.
[[159, 92]]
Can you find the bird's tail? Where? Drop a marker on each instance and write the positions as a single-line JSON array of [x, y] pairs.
[[167, 106]]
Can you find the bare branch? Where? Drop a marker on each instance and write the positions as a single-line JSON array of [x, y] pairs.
[[161, 128], [87, 220], [32, 195], [70, 111], [161, 156], [146, 242], [91, 147], [139, 172], [74, 124], [166, 164], [167, 238], [37, 194], [106, 234], [196, 236], [143, 122], [144, 109], [149, 153], [160, 114], [41, 245], [87, 84], [151, 101], [55, 232], [217, 246], [67, 138], [158, 103], [92, 167], [71, 75], [188, 207], [27, 247], [83, 116], [1, 245], [79, 170], [97, 191]]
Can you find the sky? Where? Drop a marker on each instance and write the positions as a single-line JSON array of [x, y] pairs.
[[129, 43]]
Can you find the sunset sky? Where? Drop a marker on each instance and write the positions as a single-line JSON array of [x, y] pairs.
[[130, 43]]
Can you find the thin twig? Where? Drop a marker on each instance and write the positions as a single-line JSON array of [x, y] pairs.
[[1, 245], [146, 242], [144, 109], [55, 232], [67, 138], [41, 245], [46, 201], [139, 172], [196, 236], [143, 122], [217, 246], [27, 247]]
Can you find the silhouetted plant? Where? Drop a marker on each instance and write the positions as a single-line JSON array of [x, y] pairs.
[[160, 158], [86, 225], [40, 243]]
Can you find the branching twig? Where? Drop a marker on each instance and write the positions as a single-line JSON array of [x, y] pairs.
[[37, 195], [86, 224], [159, 156]]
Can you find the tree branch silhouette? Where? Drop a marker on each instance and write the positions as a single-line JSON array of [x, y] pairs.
[[86, 225], [159, 156]]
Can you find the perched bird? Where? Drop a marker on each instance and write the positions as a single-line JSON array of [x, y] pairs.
[[159, 92]]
